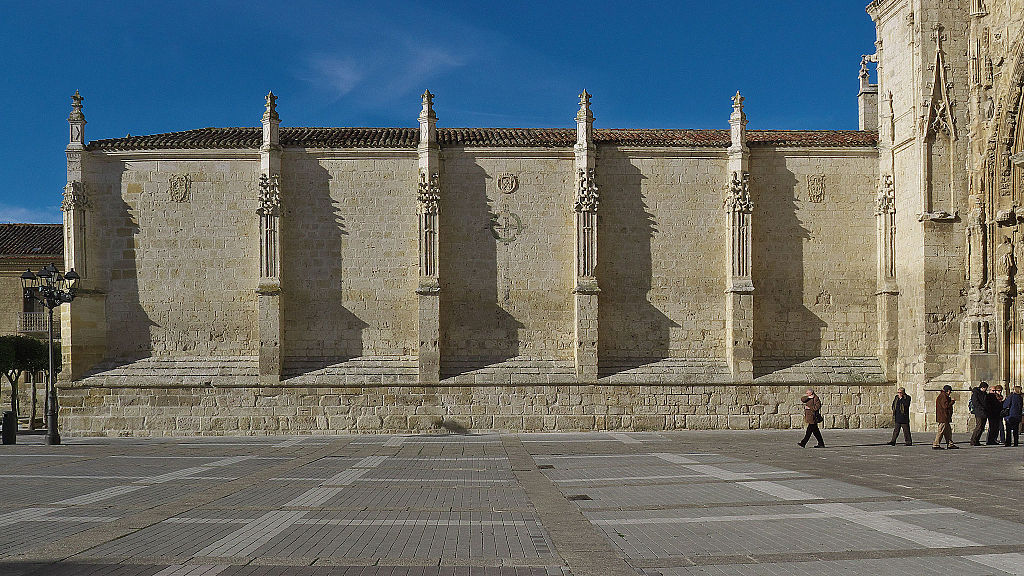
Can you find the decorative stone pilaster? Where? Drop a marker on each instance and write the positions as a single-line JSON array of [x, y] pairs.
[[585, 291], [886, 294], [83, 327], [428, 195], [269, 213], [739, 303]]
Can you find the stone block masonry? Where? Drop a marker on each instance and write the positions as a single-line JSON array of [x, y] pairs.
[[119, 410], [312, 280]]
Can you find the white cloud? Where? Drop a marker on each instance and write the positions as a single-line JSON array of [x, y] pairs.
[[338, 74]]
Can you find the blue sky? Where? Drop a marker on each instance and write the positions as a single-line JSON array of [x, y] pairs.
[[147, 67]]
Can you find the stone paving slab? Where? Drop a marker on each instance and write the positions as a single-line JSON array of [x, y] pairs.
[[565, 504]]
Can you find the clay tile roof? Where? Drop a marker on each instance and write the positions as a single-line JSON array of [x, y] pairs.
[[251, 138], [31, 240]]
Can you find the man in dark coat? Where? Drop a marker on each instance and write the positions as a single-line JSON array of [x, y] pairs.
[[944, 417], [1014, 407], [979, 398], [901, 416], [994, 413]]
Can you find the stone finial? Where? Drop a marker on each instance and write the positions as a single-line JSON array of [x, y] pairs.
[[938, 35], [428, 105], [584, 123], [584, 104], [271, 108], [738, 124], [77, 120], [76, 108]]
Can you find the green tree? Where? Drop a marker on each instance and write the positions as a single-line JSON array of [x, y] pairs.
[[18, 355]]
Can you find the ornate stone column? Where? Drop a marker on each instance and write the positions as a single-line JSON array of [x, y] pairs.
[[886, 293], [83, 322], [429, 288], [739, 289], [269, 213], [585, 292]]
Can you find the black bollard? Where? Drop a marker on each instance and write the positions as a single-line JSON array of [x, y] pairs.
[[9, 433]]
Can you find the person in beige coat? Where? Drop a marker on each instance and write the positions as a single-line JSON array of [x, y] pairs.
[[812, 416]]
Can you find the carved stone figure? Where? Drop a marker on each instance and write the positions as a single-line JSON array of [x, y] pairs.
[[975, 244], [1007, 259]]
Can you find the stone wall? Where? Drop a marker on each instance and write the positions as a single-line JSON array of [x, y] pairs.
[[505, 258], [662, 264], [348, 237], [172, 243], [814, 259], [185, 410]]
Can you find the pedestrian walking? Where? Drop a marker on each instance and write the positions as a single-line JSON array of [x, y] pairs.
[[901, 417], [1013, 407], [994, 413], [944, 417], [976, 406], [812, 417]]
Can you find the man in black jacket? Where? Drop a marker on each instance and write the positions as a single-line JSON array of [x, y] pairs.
[[994, 412], [901, 416], [979, 399]]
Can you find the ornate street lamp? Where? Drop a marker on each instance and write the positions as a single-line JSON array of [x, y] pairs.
[[51, 288]]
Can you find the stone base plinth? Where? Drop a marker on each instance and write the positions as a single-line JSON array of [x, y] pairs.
[[185, 410]]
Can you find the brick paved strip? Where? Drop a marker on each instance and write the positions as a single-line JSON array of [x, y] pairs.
[[582, 547], [82, 541], [1009, 563], [192, 570], [252, 536], [813, 558], [893, 527]]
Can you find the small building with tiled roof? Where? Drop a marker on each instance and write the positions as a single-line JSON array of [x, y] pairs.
[[23, 247]]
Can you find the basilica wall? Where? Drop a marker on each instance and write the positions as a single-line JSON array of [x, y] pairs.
[[169, 246], [662, 264], [505, 257], [348, 256], [813, 254]]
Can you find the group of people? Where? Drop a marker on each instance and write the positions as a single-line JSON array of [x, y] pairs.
[[1002, 415]]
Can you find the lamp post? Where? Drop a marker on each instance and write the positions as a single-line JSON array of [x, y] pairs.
[[51, 288]]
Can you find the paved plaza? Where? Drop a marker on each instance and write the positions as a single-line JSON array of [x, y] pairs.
[[609, 504]]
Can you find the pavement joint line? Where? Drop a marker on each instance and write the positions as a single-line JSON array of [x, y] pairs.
[[580, 544]]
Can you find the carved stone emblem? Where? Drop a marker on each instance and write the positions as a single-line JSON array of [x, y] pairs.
[[428, 192], [885, 203], [74, 197], [816, 188], [739, 194], [507, 183], [824, 299], [180, 188], [270, 195], [505, 226], [587, 197]]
